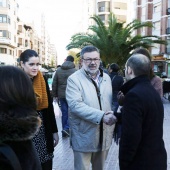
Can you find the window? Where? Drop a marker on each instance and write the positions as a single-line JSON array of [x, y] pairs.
[[3, 50], [168, 3], [102, 17], [3, 3], [157, 8], [20, 41], [19, 52], [5, 34], [101, 6], [4, 19], [168, 46], [156, 25], [101, 9], [20, 28], [104, 6]]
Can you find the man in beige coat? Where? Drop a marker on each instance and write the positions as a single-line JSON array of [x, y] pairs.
[[89, 96]]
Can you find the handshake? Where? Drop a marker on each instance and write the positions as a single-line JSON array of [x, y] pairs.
[[109, 118]]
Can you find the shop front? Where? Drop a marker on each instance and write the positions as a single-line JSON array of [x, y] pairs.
[[161, 66]]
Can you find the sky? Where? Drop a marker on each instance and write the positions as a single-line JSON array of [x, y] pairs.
[[62, 20]]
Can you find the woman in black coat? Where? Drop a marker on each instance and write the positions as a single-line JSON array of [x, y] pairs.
[[19, 121], [47, 137]]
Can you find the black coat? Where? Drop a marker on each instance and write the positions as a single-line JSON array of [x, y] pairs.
[[141, 144], [117, 82], [17, 130], [49, 122], [25, 153]]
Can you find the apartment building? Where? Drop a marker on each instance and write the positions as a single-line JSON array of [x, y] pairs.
[[17, 36], [53, 56], [8, 31], [157, 12], [118, 7]]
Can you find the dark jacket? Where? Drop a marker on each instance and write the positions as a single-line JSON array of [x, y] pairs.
[[17, 130], [60, 79], [49, 122], [117, 82], [141, 144]]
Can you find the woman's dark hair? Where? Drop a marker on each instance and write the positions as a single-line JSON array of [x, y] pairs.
[[27, 54], [16, 91], [114, 67], [70, 58], [145, 52]]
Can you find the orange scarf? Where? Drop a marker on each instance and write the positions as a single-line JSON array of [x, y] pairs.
[[39, 86]]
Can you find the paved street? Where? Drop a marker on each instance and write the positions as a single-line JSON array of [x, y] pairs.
[[63, 155]]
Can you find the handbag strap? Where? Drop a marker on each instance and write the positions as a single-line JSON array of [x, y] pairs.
[[113, 78], [7, 151]]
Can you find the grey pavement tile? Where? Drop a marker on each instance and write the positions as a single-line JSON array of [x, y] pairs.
[[63, 154]]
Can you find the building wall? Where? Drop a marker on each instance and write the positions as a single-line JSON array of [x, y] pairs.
[[102, 8], [8, 31], [17, 36], [156, 12]]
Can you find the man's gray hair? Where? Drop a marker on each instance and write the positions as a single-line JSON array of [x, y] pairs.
[[87, 49], [140, 64]]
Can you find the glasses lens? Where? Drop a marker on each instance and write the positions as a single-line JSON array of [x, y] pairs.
[[89, 60]]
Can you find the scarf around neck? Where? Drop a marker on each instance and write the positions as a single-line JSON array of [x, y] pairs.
[[39, 86]]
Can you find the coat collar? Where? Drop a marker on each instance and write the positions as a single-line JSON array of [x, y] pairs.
[[131, 83], [88, 75], [18, 125]]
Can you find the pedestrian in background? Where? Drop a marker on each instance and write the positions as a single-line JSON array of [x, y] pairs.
[[47, 137], [59, 89], [141, 143], [89, 96], [117, 81], [155, 80], [19, 121]]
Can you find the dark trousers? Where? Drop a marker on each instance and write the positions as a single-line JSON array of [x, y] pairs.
[[64, 110], [47, 165]]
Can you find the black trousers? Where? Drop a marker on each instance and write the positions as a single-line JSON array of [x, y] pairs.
[[47, 165]]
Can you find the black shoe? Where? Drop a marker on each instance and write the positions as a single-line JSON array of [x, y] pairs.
[[65, 133]]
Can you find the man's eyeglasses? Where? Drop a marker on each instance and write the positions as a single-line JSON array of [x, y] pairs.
[[89, 60]]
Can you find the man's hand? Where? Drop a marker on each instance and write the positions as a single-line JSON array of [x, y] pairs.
[[109, 118], [120, 97], [56, 139]]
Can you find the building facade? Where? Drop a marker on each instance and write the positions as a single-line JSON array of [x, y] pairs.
[[103, 8], [8, 31], [17, 36], [157, 12]]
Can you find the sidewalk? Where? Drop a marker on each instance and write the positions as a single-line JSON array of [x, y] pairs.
[[63, 154]]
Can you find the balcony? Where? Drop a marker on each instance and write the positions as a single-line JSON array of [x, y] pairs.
[[168, 11], [168, 30]]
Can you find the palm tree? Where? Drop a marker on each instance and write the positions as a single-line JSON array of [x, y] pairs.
[[115, 41]]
